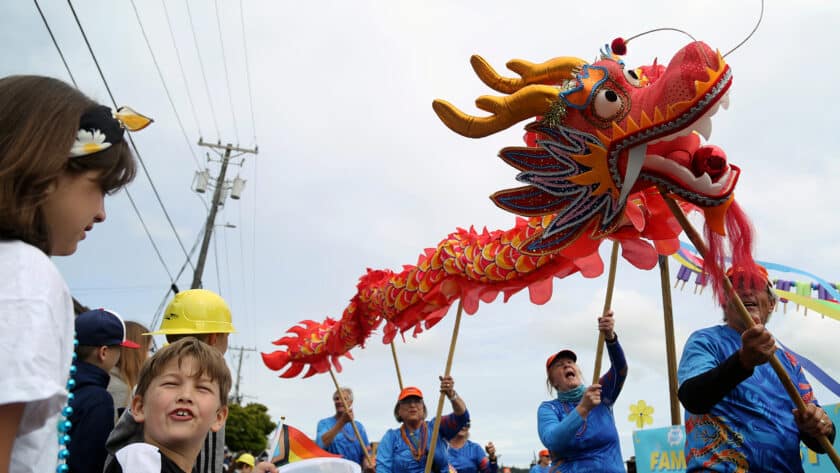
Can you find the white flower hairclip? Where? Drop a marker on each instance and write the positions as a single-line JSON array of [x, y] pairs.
[[100, 128]]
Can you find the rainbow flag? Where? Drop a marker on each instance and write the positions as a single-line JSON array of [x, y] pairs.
[[291, 445]]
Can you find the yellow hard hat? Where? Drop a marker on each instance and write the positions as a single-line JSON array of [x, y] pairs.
[[247, 459], [196, 311]]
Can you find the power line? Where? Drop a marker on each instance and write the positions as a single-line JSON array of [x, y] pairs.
[[203, 74], [116, 288], [127, 193], [130, 139], [181, 67], [49, 30], [221, 189], [236, 397], [245, 304], [165, 88], [248, 72], [254, 290], [227, 74], [152, 240], [173, 287]]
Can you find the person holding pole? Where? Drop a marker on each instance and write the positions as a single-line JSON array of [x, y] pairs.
[[467, 456], [578, 427], [335, 434], [738, 415], [404, 450]]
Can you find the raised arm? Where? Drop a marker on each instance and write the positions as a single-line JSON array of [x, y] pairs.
[[488, 464], [613, 380]]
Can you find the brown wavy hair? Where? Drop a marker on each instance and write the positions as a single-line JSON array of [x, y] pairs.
[[131, 360], [39, 119]]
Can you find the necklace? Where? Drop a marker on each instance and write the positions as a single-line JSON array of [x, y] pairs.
[[417, 452], [64, 423]]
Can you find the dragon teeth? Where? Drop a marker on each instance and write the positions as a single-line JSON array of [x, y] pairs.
[[704, 127]]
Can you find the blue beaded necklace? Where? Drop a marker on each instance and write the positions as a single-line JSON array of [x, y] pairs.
[[64, 423]]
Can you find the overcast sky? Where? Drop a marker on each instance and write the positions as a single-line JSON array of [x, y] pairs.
[[354, 171]]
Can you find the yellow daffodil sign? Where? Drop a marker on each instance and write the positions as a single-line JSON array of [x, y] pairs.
[[641, 414]]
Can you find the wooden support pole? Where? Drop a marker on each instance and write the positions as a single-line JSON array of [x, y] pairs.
[[396, 364], [431, 455], [607, 305], [670, 344]]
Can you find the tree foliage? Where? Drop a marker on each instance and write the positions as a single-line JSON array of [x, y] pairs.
[[247, 427]]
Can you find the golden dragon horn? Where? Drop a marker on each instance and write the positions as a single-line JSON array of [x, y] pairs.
[[529, 101], [554, 71]]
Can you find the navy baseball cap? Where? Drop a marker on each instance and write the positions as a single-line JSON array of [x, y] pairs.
[[99, 327]]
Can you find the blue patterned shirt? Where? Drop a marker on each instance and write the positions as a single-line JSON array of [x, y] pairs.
[[751, 428]]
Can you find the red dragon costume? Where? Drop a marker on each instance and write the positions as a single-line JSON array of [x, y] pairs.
[[606, 140]]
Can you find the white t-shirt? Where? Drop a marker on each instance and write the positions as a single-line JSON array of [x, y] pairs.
[[36, 350]]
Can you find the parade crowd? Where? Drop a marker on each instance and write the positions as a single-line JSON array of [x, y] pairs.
[[82, 394]]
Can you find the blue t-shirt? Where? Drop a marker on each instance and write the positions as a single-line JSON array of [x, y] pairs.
[[470, 458], [345, 442], [583, 445], [751, 428], [539, 468], [395, 456]]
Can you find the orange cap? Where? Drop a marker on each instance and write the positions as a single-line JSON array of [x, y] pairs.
[[410, 391], [560, 354], [744, 275], [544, 453], [739, 270]]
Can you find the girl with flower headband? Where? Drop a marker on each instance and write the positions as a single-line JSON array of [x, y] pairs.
[[60, 154]]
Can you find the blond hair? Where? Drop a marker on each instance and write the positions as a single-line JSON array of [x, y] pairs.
[[130, 362], [207, 359]]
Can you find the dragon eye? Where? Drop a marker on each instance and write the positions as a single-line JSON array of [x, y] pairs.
[[607, 104], [632, 77]]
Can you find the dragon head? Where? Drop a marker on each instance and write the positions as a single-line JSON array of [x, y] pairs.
[[603, 132]]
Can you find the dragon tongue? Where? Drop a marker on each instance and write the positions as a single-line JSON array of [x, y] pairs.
[[716, 216], [635, 160]]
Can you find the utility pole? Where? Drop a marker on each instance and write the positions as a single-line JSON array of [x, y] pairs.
[[237, 399], [201, 183]]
